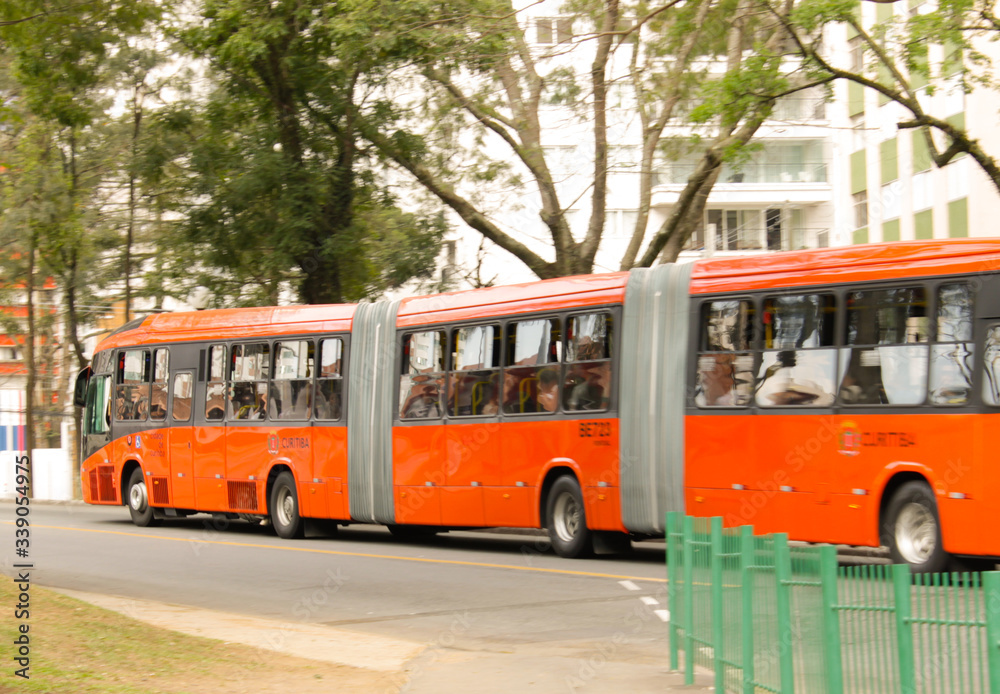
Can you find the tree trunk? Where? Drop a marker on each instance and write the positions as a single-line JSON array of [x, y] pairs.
[[29, 361]]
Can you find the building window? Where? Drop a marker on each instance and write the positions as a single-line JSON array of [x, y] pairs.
[[860, 209], [550, 30], [857, 49]]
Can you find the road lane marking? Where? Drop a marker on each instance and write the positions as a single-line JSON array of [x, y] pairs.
[[649, 600], [366, 555], [664, 615], [628, 585]]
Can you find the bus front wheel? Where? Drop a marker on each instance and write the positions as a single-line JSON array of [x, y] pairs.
[[913, 529], [567, 521], [284, 508], [138, 501]]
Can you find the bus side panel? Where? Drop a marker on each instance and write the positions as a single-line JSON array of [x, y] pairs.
[[330, 465], [210, 467], [473, 448], [419, 471], [97, 470], [589, 447], [181, 467]]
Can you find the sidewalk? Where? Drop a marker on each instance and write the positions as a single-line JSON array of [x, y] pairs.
[[417, 667]]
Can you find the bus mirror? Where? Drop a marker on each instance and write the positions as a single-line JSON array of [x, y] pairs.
[[80, 390]]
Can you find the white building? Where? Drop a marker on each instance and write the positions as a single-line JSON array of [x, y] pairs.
[[826, 173]]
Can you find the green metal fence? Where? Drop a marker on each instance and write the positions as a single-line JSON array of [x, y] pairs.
[[766, 616]]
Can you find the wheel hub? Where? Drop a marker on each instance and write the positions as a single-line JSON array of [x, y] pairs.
[[286, 506], [567, 518], [916, 533], [137, 497]]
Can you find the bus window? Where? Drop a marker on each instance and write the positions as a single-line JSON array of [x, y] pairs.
[[181, 411], [587, 385], [291, 387], [799, 363], [132, 389], [725, 363], [158, 399], [951, 355], [531, 376], [97, 418], [330, 380], [422, 379], [474, 383], [248, 367], [991, 364], [215, 391], [886, 360]]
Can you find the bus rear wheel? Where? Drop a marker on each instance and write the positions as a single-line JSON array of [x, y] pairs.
[[138, 501], [913, 529], [567, 521], [284, 508]]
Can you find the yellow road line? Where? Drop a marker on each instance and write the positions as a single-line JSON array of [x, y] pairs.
[[353, 554]]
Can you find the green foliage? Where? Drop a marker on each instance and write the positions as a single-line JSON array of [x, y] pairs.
[[287, 193]]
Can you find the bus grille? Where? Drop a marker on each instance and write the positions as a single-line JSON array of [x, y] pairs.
[[243, 496], [105, 486], [160, 493]]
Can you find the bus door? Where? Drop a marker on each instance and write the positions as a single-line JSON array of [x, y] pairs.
[[250, 437], [288, 434], [329, 432], [209, 434], [472, 433], [418, 441], [180, 438]]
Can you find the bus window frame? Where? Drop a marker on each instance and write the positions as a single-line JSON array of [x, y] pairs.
[[450, 372], [610, 360], [754, 351], [930, 293]]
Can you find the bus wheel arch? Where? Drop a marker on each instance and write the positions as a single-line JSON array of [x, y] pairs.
[[283, 503], [135, 495], [910, 524], [564, 515]]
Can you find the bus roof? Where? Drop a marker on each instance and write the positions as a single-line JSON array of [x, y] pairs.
[[234, 322], [863, 262], [562, 292]]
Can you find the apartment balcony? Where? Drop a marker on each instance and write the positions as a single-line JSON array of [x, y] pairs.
[[756, 183]]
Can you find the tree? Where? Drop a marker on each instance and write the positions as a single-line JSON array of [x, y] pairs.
[[480, 73], [281, 189], [893, 59]]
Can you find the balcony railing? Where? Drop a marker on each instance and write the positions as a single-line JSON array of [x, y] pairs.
[[776, 238], [782, 173]]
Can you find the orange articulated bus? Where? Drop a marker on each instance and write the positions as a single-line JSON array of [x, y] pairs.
[[840, 395]]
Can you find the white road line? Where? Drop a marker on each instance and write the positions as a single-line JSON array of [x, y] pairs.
[[628, 585], [662, 614], [649, 600]]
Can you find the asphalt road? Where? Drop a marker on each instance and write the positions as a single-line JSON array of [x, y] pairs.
[[464, 592]]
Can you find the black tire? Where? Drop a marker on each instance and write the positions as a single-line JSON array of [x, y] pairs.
[[284, 508], [912, 529], [566, 520], [137, 500]]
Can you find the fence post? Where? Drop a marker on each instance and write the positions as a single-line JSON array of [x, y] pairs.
[[718, 616], [688, 623], [901, 587], [783, 603], [991, 593], [747, 560], [831, 619], [673, 589]]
